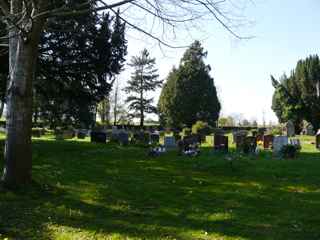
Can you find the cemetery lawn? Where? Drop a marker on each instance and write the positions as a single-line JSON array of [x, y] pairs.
[[91, 191]]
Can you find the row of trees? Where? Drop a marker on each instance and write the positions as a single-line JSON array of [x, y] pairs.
[[236, 120], [188, 95], [297, 97]]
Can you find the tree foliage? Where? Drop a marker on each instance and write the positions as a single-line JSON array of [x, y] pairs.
[[77, 67], [297, 97], [189, 94], [143, 80]]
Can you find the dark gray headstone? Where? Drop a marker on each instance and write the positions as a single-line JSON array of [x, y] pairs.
[[98, 137], [123, 138], [221, 143], [154, 138]]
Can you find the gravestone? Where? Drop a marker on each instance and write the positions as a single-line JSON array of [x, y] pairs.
[[267, 141], [114, 134], [290, 129], [318, 140], [240, 141], [169, 142], [250, 145], [154, 138], [68, 134], [221, 143], [279, 142], [123, 138], [64, 134], [98, 137], [242, 134]]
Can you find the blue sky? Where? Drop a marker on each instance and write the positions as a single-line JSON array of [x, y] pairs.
[[284, 31]]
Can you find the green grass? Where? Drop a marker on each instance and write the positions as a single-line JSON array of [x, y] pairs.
[[92, 191]]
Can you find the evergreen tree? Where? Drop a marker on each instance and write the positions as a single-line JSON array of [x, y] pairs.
[[297, 97], [78, 67], [189, 94], [144, 79]]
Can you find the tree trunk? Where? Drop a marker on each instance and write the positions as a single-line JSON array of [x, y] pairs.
[[22, 63], [1, 108], [141, 109]]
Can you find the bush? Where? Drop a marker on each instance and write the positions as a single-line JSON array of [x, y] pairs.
[[202, 129], [290, 151], [198, 126]]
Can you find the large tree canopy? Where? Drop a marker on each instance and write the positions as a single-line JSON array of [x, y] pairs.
[[297, 97], [189, 94]]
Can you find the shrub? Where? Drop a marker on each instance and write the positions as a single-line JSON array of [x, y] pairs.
[[202, 129], [198, 126]]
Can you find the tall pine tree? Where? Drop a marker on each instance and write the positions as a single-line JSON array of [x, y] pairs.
[[144, 79]]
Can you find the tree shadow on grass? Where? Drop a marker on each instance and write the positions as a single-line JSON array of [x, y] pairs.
[[100, 191]]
